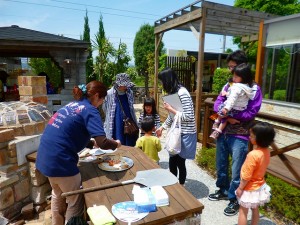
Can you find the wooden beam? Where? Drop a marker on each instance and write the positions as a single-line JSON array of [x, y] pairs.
[[287, 163], [249, 38], [285, 149], [195, 32], [236, 10], [176, 22]]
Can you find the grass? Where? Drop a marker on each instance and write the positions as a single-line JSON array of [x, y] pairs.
[[284, 207]]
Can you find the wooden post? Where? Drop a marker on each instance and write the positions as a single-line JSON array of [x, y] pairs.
[[260, 55], [200, 69], [158, 38]]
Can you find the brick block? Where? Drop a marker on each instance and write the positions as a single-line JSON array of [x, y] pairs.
[[12, 153], [7, 135], [28, 211], [32, 90], [18, 130], [7, 170], [5, 182], [37, 179], [31, 81], [12, 160], [6, 198], [29, 129], [43, 99], [39, 194], [22, 189], [3, 157], [40, 127]]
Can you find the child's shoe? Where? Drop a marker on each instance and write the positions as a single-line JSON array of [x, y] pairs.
[[215, 124], [215, 134]]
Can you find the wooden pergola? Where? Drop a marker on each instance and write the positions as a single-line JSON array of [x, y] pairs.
[[203, 17]]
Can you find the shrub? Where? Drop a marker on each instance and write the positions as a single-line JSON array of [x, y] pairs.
[[279, 95], [220, 78]]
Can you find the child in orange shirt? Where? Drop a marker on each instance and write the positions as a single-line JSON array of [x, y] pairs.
[[253, 190]]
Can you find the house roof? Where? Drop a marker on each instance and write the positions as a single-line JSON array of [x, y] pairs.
[[17, 41], [219, 19]]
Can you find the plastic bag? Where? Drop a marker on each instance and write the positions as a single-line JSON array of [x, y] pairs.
[[173, 139]]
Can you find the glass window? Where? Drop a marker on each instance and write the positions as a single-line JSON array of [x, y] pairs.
[[281, 77]]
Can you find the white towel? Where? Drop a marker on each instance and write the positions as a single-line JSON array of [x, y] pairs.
[[100, 215]]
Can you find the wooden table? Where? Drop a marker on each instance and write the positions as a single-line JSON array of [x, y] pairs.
[[182, 203]]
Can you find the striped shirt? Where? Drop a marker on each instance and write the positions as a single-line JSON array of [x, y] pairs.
[[188, 124], [156, 121]]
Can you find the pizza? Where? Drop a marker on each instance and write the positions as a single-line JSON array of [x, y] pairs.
[[114, 162]]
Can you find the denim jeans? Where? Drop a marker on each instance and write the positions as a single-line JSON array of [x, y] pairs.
[[229, 145]]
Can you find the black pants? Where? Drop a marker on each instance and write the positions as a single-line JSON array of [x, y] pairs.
[[176, 162]]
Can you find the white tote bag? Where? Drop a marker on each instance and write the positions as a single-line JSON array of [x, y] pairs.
[[173, 139]]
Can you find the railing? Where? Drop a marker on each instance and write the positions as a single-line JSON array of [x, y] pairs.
[[284, 166]]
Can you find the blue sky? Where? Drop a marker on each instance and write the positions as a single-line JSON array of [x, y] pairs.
[[122, 19]]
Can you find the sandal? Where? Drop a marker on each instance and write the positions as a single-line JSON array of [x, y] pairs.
[[215, 134]]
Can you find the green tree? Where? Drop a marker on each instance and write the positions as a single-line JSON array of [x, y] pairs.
[[105, 50], [276, 7], [48, 66], [118, 63], [144, 44], [89, 63]]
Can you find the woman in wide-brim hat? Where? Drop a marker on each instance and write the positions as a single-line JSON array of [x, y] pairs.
[[119, 98]]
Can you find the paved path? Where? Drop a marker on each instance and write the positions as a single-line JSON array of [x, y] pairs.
[[200, 184]]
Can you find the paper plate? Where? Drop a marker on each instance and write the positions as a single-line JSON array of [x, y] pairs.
[[127, 212], [124, 164]]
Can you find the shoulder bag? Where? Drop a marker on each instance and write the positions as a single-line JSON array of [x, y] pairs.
[[130, 127]]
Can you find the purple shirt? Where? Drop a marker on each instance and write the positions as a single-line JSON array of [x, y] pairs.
[[249, 113]]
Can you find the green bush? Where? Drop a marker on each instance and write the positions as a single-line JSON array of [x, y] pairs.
[[279, 95], [206, 159], [220, 78], [285, 201]]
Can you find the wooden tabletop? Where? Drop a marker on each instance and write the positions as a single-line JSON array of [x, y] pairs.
[[182, 203]]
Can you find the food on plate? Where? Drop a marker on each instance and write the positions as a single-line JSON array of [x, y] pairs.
[[113, 162]]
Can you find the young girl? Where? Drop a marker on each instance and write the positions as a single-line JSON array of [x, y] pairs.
[[149, 111], [148, 143], [253, 190], [237, 95]]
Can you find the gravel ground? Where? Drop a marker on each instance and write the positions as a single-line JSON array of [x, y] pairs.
[[200, 184]]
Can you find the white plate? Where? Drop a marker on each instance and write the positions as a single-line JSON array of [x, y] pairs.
[[106, 151], [88, 158], [127, 212], [117, 167], [96, 151]]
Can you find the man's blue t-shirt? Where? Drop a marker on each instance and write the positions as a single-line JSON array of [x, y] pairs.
[[68, 132]]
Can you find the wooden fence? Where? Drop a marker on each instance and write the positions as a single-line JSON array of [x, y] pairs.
[[184, 67]]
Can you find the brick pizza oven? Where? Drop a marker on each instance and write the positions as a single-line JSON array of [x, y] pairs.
[[21, 125]]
